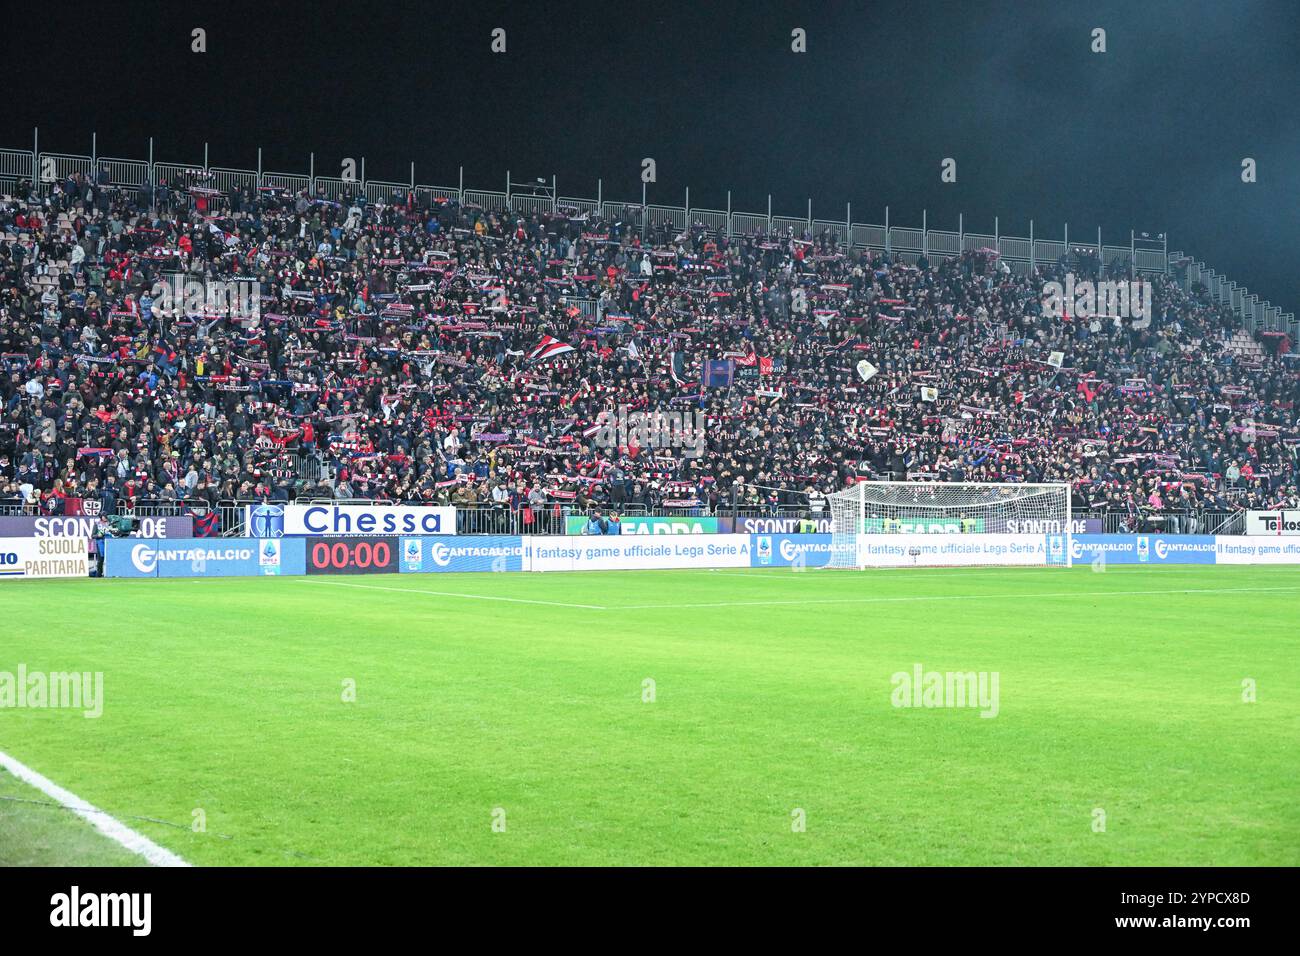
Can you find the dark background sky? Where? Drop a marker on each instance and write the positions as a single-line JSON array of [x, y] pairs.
[[1149, 135]]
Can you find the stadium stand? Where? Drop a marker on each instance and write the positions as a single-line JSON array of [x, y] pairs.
[[411, 347]]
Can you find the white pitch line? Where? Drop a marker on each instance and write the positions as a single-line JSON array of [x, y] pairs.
[[760, 575], [477, 597], [112, 828], [795, 603], [784, 573], [936, 597]]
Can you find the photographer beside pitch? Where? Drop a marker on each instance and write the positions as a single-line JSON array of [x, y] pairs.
[[597, 523]]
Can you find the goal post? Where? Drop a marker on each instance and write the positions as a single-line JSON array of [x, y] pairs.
[[1001, 512]]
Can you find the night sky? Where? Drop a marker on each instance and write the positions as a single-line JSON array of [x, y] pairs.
[[1149, 135]]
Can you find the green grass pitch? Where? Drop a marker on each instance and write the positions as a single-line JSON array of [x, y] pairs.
[[504, 719]]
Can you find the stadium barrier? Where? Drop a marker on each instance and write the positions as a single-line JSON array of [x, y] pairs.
[[654, 524], [1273, 522], [476, 553], [327, 518], [1256, 549], [633, 552], [793, 550], [774, 525], [204, 557], [1145, 548], [557, 518], [31, 557], [780, 524], [430, 554], [963, 550], [349, 554], [59, 526]]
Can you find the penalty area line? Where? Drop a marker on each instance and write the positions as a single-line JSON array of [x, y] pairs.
[[459, 594], [114, 829]]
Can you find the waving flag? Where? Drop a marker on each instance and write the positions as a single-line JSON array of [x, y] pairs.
[[677, 367], [548, 348], [748, 360], [207, 525]]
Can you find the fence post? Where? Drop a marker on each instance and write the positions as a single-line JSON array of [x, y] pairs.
[[769, 213], [555, 194], [94, 153], [848, 226], [460, 187], [887, 242], [36, 157], [205, 157], [507, 189], [259, 167], [643, 209], [809, 214], [311, 175], [728, 213], [1032, 266], [688, 207], [925, 231], [412, 176]]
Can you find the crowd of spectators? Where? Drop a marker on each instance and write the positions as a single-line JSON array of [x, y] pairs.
[[428, 351]]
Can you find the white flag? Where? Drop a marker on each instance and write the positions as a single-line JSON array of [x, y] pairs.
[[866, 370], [929, 394], [1056, 359]]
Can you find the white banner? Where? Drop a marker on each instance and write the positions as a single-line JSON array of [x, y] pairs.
[[635, 552], [44, 558], [369, 519], [1273, 522], [906, 550], [1256, 549]]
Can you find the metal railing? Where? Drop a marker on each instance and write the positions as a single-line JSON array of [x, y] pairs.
[[230, 517], [312, 468], [161, 507], [1174, 522], [1021, 254], [487, 518]]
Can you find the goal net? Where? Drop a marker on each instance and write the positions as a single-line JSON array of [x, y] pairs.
[[1000, 514]]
